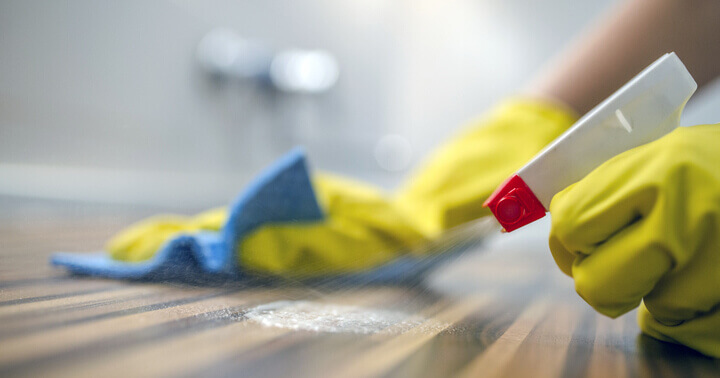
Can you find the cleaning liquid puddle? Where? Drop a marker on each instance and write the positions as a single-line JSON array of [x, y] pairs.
[[332, 318]]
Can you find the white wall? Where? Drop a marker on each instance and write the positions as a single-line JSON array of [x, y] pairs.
[[104, 101]]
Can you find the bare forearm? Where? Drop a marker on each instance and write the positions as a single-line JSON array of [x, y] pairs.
[[628, 39]]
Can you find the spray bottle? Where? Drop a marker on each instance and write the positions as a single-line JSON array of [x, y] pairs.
[[644, 109]]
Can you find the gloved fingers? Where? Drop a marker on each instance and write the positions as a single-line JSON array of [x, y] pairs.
[[314, 249], [589, 212], [688, 290], [340, 196], [701, 333], [126, 243], [583, 218], [140, 241], [362, 230], [621, 270], [563, 257], [144, 248], [344, 200], [209, 220]]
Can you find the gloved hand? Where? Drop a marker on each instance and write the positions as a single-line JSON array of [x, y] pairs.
[[364, 228], [140, 241], [646, 226], [451, 187]]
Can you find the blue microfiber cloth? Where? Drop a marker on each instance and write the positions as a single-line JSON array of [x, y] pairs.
[[281, 193]]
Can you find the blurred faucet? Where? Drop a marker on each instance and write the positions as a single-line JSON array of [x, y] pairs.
[[228, 56]]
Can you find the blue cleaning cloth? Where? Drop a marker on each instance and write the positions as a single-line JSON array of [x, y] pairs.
[[281, 193]]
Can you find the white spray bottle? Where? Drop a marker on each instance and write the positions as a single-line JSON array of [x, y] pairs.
[[643, 110]]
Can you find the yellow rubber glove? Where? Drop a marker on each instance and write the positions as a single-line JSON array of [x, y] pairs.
[[451, 187], [362, 230], [646, 226], [140, 241]]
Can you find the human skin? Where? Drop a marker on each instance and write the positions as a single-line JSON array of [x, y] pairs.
[[626, 40]]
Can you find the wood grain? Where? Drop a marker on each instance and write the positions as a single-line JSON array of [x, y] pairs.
[[507, 313]]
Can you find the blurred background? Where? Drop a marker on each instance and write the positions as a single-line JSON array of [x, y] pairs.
[[179, 103]]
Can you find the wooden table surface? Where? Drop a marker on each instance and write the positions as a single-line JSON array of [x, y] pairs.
[[502, 309]]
